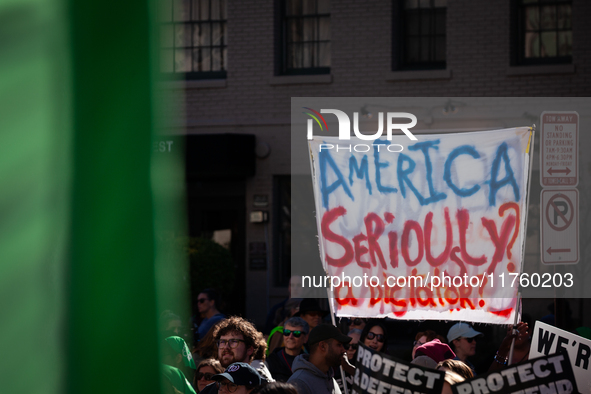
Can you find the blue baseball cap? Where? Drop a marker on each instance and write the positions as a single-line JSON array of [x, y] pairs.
[[241, 374]]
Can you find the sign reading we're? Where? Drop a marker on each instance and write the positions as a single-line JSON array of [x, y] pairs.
[[547, 339]]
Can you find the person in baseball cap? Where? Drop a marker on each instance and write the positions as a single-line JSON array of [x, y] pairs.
[[238, 378], [462, 338], [184, 356], [323, 332], [313, 373], [462, 330], [177, 364]]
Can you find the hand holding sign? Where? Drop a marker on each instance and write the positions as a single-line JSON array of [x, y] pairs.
[[350, 369], [520, 350]]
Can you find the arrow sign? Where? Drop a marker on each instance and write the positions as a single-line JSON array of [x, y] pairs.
[[550, 251], [553, 171]]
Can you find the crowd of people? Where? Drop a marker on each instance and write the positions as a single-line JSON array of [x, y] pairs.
[[303, 352]]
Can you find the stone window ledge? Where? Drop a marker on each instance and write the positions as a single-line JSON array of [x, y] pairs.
[[195, 84], [418, 75], [548, 69], [300, 79]]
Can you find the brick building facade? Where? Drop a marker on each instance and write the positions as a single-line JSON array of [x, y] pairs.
[[482, 59]]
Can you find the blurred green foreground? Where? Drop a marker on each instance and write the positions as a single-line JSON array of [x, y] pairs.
[[79, 218]]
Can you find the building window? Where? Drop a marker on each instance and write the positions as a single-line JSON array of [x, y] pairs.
[[544, 31], [423, 30], [193, 38], [305, 30]]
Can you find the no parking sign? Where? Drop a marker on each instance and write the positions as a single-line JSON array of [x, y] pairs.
[[560, 226]]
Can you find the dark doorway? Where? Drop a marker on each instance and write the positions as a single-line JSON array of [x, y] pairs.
[[217, 166], [221, 205]]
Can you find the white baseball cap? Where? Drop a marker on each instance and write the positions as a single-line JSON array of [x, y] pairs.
[[461, 330]]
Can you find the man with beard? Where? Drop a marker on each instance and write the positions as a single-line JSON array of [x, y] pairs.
[[295, 334], [237, 342], [462, 338], [313, 373]]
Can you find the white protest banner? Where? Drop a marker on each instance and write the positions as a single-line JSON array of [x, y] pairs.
[[427, 229], [378, 373], [546, 374], [547, 339]]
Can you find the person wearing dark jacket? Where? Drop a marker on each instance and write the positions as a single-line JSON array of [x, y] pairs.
[[312, 374], [295, 334]]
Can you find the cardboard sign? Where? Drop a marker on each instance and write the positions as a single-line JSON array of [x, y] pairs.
[[432, 229], [547, 374], [378, 373], [547, 339]]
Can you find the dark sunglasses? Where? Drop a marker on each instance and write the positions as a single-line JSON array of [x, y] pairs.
[[352, 346], [357, 321], [469, 340], [371, 335], [296, 334], [201, 375], [202, 300]]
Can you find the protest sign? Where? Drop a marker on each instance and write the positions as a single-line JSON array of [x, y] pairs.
[[547, 374], [427, 229], [547, 339], [378, 373]]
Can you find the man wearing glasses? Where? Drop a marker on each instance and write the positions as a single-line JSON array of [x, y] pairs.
[[295, 334], [238, 378], [462, 338], [237, 340], [313, 373]]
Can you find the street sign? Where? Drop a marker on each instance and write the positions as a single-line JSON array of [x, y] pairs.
[[560, 226], [559, 149]]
